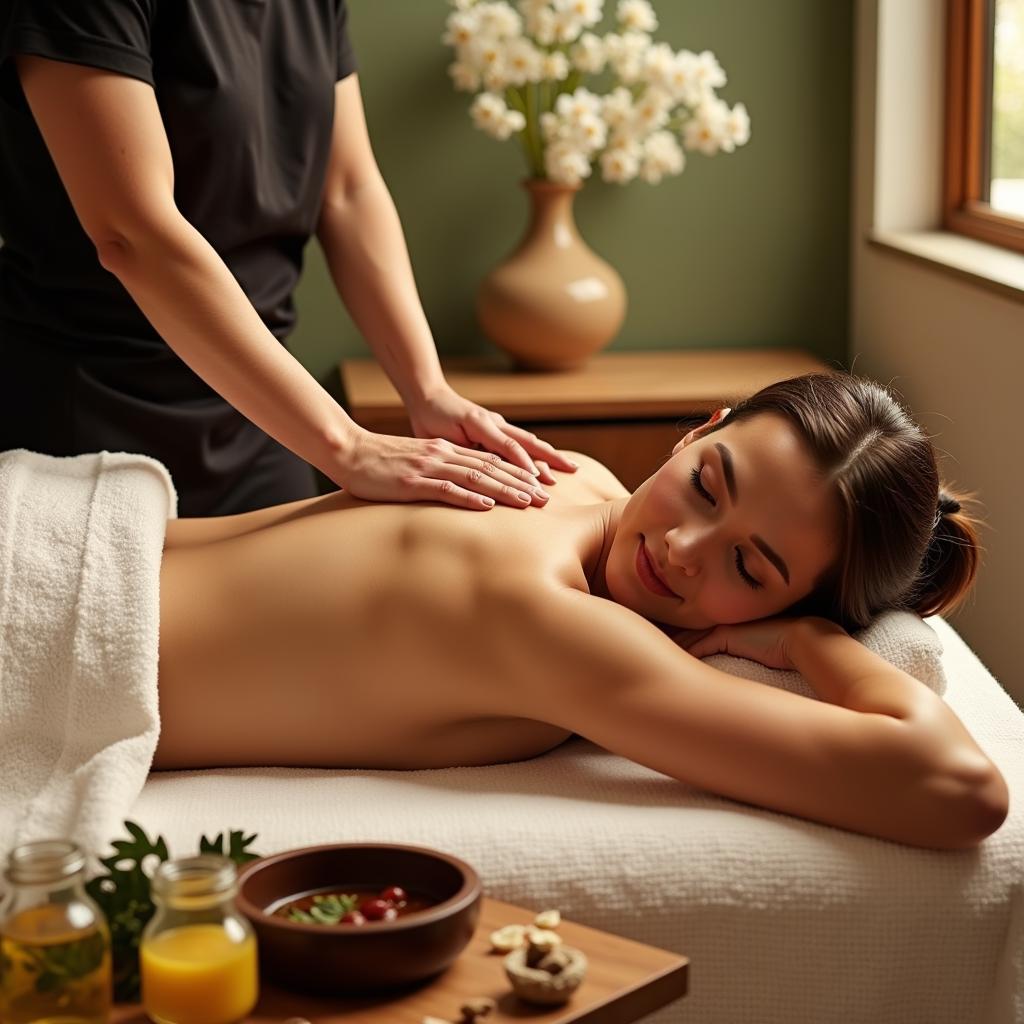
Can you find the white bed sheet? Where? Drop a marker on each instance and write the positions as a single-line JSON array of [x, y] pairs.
[[783, 920]]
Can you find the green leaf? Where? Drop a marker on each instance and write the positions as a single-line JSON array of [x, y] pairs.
[[123, 894]]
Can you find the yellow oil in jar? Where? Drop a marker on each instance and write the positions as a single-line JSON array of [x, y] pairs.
[[198, 974], [52, 973]]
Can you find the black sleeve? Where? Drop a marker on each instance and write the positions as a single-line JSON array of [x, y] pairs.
[[109, 34], [346, 58]]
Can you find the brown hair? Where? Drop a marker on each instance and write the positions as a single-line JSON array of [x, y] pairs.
[[907, 541]]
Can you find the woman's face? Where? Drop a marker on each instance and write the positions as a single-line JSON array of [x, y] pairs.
[[735, 526]]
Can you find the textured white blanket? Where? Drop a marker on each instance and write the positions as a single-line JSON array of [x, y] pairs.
[[784, 921], [80, 546]]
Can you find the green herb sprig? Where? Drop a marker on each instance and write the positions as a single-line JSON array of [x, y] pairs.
[[327, 908], [123, 894]]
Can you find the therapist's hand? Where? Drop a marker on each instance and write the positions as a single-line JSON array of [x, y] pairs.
[[445, 413], [382, 467]]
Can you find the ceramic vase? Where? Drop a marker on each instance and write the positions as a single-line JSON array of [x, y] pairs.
[[553, 302]]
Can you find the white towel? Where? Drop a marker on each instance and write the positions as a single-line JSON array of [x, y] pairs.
[[80, 546]]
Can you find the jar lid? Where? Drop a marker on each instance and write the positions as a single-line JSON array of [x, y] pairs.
[[195, 881], [44, 862]]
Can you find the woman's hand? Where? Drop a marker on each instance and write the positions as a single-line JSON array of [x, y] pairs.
[[381, 467], [765, 640], [445, 413]]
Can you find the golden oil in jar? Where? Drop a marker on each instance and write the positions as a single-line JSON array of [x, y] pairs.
[[54, 945]]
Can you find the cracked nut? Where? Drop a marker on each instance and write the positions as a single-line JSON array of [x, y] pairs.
[[557, 960], [512, 936], [475, 1009], [548, 919], [535, 985]]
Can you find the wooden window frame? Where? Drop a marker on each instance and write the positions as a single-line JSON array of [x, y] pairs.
[[968, 113]]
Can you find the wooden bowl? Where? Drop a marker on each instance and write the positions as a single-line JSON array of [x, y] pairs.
[[377, 956]]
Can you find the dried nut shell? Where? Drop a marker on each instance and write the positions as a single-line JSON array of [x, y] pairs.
[[543, 938], [538, 986], [512, 936], [477, 1008], [548, 919], [557, 960]]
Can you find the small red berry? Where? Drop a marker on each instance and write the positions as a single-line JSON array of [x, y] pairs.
[[353, 917], [394, 894], [378, 910]]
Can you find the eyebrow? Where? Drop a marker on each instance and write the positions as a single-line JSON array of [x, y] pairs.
[[762, 545]]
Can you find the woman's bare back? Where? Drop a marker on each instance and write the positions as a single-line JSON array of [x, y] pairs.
[[364, 635]]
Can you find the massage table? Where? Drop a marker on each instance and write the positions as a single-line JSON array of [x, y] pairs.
[[784, 921]]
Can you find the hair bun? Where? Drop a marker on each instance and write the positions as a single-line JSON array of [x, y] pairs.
[[947, 504]]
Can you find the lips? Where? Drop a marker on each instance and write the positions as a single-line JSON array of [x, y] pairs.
[[648, 573]]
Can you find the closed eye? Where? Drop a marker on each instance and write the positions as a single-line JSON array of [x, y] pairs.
[[695, 478]]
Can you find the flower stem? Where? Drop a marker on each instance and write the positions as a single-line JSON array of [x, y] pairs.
[[533, 128]]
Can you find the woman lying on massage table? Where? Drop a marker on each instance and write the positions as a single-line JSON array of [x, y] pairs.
[[420, 636]]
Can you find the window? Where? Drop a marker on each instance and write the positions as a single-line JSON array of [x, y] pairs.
[[984, 185]]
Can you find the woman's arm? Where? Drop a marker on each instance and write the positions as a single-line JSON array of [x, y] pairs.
[[604, 672]]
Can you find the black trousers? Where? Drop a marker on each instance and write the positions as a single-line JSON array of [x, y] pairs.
[[145, 400]]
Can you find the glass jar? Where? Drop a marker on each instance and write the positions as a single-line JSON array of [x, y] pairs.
[[54, 941], [197, 955]]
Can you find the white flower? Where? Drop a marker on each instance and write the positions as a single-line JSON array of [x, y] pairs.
[[555, 66], [662, 155], [590, 132], [550, 126], [617, 107], [737, 124], [499, 18], [708, 71], [574, 105], [567, 26], [588, 54], [620, 164], [636, 14], [523, 61], [486, 55], [491, 115], [650, 111], [626, 54], [513, 121], [682, 80], [586, 12], [658, 65], [566, 164], [464, 76], [528, 8], [461, 27], [707, 131], [542, 25]]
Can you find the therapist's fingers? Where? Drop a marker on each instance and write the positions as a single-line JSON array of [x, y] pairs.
[[485, 473], [491, 433], [382, 467], [538, 448]]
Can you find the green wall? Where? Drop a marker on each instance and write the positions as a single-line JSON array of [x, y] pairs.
[[748, 248]]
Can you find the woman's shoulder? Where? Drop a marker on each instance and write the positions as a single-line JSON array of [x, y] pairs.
[[593, 482]]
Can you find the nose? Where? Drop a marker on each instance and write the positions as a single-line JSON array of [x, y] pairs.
[[686, 548]]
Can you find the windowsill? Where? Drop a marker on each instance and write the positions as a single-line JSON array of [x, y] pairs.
[[999, 270]]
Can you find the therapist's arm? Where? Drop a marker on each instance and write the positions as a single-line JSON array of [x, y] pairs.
[[107, 140], [362, 239]]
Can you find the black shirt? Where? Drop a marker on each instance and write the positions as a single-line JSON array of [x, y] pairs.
[[246, 92]]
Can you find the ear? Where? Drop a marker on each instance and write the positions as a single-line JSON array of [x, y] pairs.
[[715, 418]]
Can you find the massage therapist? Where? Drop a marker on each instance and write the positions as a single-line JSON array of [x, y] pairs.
[[162, 165]]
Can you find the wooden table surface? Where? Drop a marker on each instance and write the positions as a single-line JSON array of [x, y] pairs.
[[625, 981], [612, 385]]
